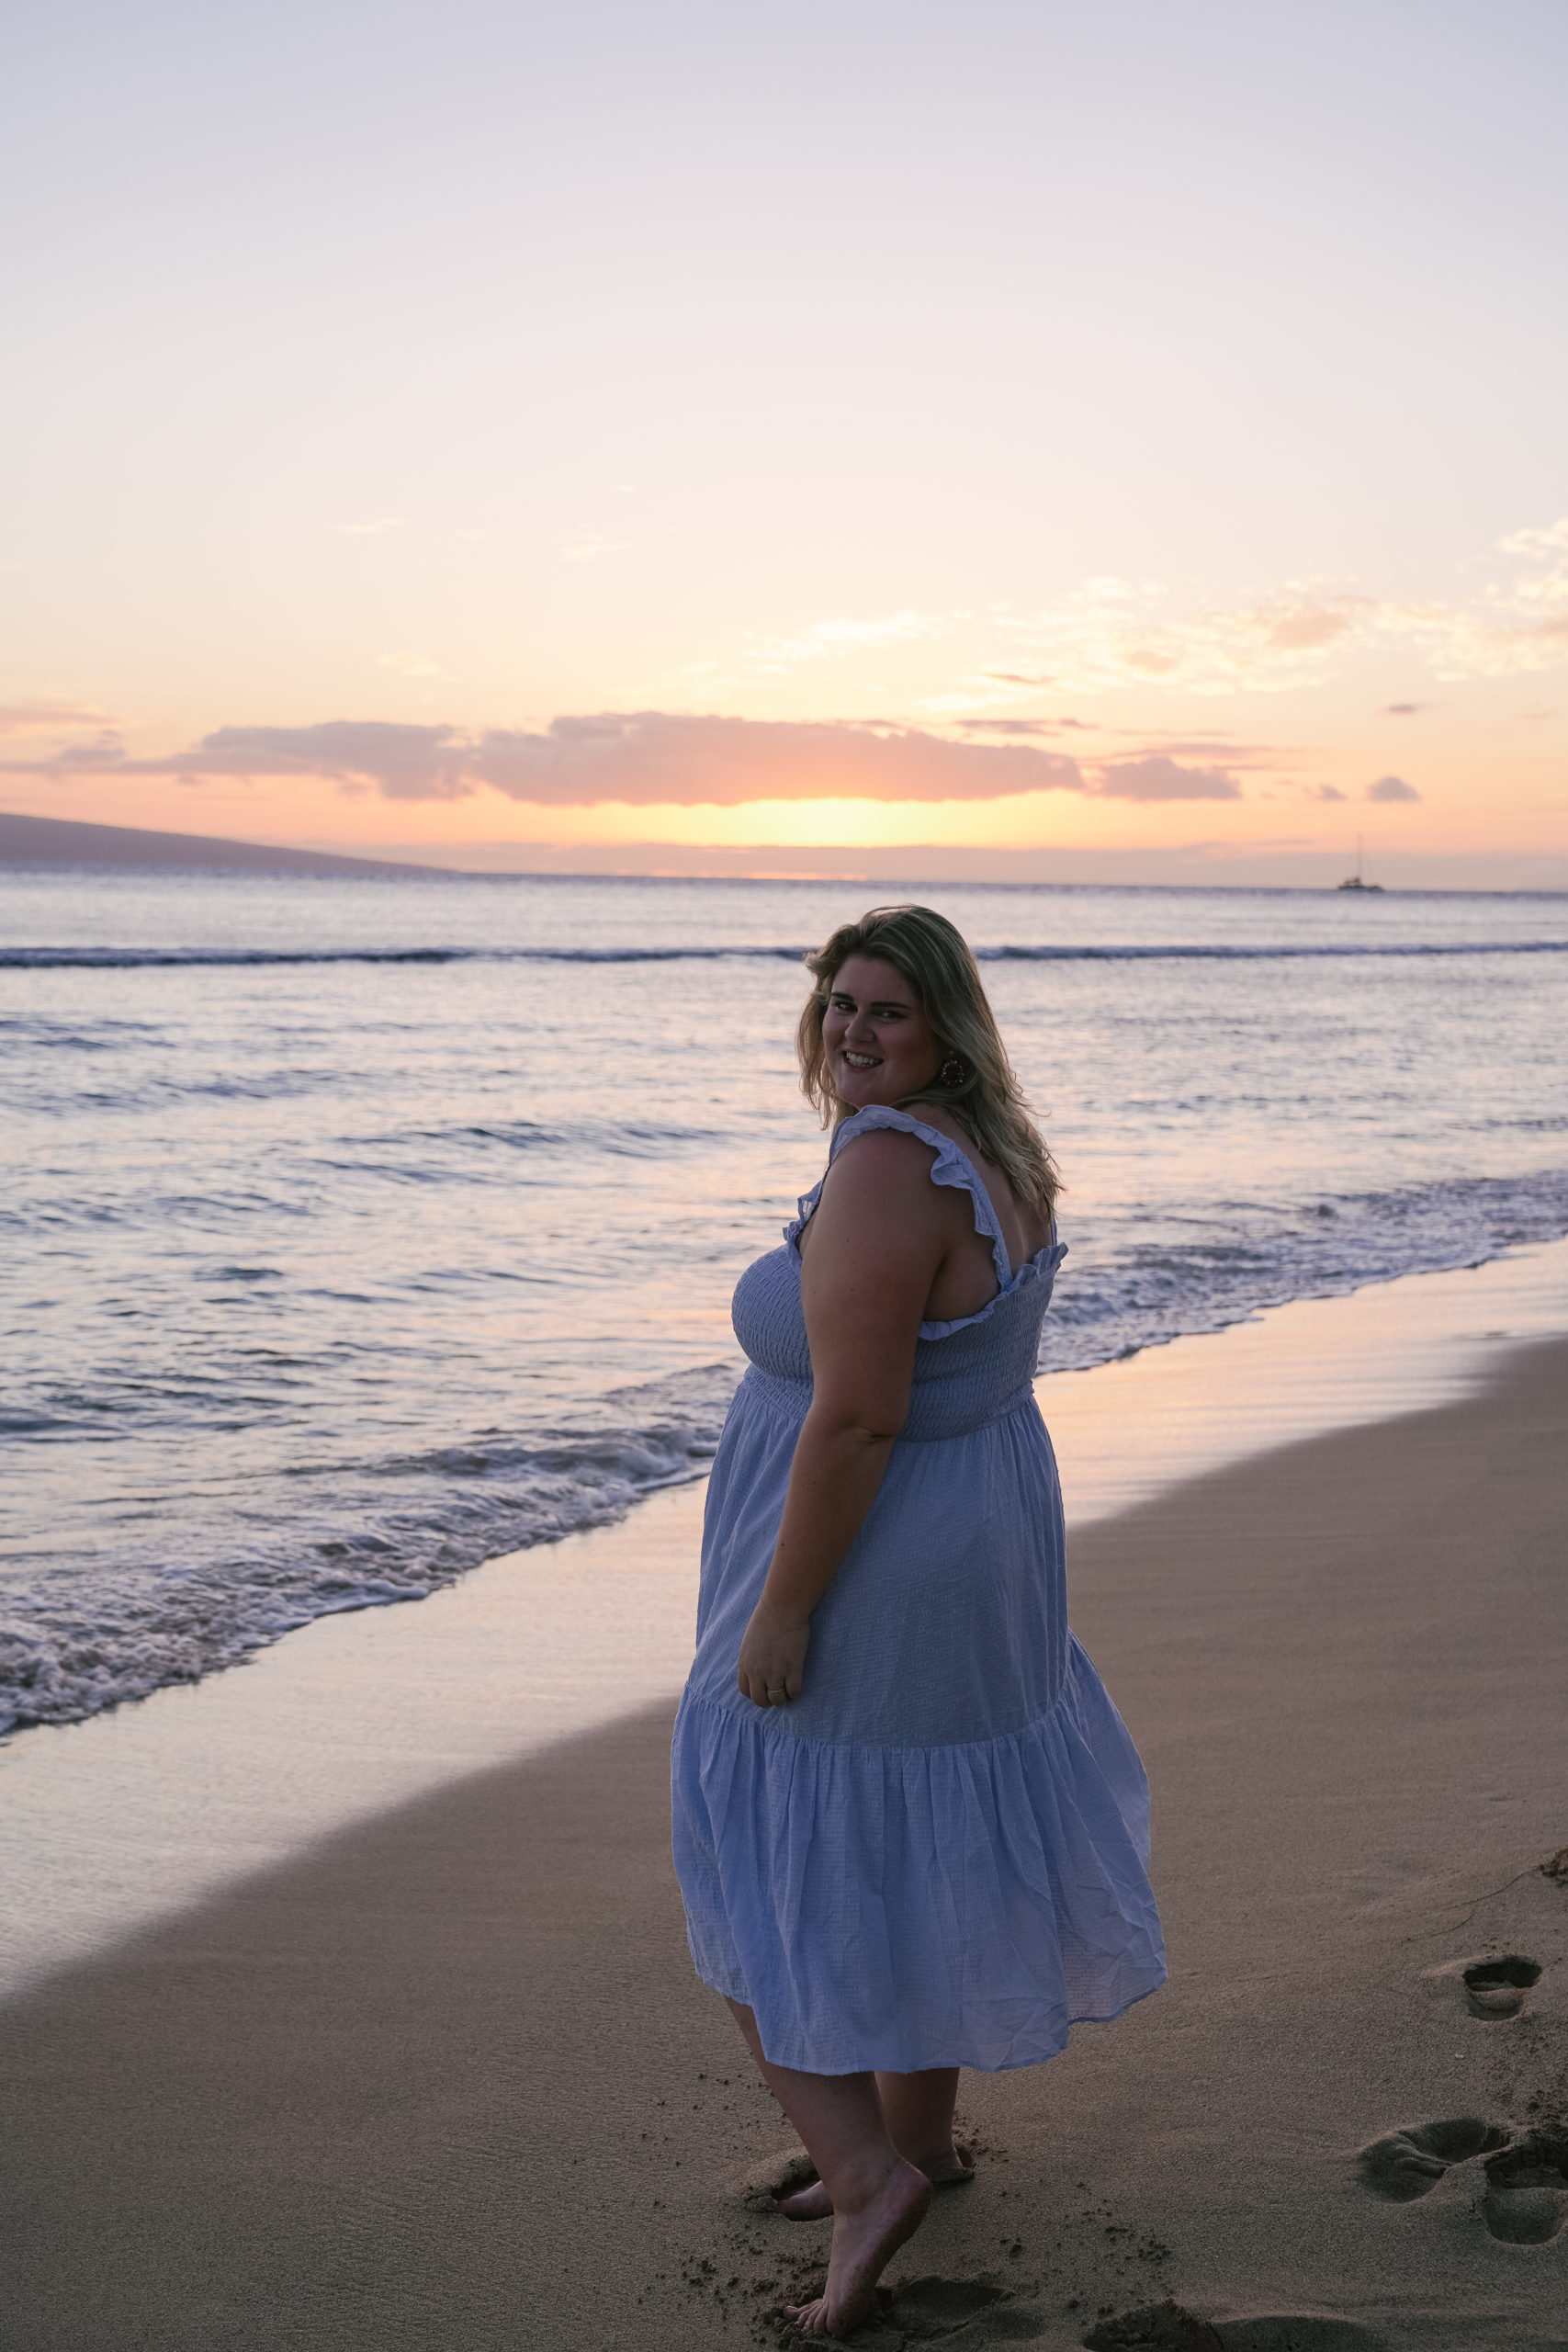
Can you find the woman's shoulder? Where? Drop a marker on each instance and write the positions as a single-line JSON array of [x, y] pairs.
[[875, 1155], [880, 1173], [878, 1187]]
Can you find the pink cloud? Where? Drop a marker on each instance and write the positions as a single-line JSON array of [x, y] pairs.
[[644, 757], [1392, 787], [1159, 778]]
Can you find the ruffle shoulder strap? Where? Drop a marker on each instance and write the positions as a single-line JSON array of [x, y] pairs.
[[952, 1166]]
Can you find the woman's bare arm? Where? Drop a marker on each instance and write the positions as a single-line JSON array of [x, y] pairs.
[[877, 1241]]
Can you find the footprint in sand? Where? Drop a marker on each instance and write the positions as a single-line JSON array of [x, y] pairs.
[[1526, 2200], [1167, 2327], [1404, 2165], [966, 2313], [970, 2315], [1527, 2187], [1497, 1988], [924, 2309]]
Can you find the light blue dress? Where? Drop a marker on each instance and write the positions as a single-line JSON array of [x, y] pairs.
[[937, 1856]]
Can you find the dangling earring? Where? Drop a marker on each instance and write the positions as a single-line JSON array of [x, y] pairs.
[[953, 1071]]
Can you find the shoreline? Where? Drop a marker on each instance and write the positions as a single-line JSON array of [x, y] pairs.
[[114, 1821], [445, 2077]]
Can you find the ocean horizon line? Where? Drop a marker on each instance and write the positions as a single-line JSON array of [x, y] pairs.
[[62, 845]]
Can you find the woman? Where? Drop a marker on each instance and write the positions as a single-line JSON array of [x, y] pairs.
[[911, 1829]]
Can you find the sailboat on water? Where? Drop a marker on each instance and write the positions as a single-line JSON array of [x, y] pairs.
[[1356, 881]]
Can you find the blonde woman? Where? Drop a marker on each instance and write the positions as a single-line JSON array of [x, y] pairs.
[[910, 1829]]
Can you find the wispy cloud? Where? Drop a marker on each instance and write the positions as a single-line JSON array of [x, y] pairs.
[[1514, 627], [1159, 778], [589, 545], [46, 717], [1546, 540], [1510, 635], [411, 665], [833, 641], [1223, 750], [1110, 634], [1020, 727], [1392, 787], [375, 528]]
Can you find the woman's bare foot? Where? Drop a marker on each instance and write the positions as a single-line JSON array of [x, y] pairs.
[[864, 2243], [955, 2172], [813, 2203]]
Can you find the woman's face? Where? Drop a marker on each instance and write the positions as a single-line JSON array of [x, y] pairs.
[[879, 1044]]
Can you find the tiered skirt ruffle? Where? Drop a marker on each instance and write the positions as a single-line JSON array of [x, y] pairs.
[[910, 1907]]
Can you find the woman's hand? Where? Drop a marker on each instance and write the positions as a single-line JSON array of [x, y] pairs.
[[772, 1656]]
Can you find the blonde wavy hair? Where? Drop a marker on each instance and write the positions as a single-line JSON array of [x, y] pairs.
[[987, 1100]]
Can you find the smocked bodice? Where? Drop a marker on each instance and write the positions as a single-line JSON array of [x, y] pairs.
[[967, 1372]]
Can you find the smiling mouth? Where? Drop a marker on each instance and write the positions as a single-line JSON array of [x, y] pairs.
[[862, 1061]]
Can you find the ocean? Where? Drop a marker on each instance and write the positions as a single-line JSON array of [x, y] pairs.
[[355, 1231]]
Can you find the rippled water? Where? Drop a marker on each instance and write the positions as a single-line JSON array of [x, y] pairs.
[[353, 1231]]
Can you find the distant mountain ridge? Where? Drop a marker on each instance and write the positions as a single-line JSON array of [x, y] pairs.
[[62, 840]]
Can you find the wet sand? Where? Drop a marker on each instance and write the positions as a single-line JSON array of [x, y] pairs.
[[110, 1825], [444, 2079]]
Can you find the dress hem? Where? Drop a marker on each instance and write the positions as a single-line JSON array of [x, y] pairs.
[[927, 2064]]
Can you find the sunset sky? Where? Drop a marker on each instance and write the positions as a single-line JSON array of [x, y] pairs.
[[1123, 439]]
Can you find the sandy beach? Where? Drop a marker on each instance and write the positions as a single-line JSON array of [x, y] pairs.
[[444, 2079], [726, 734]]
